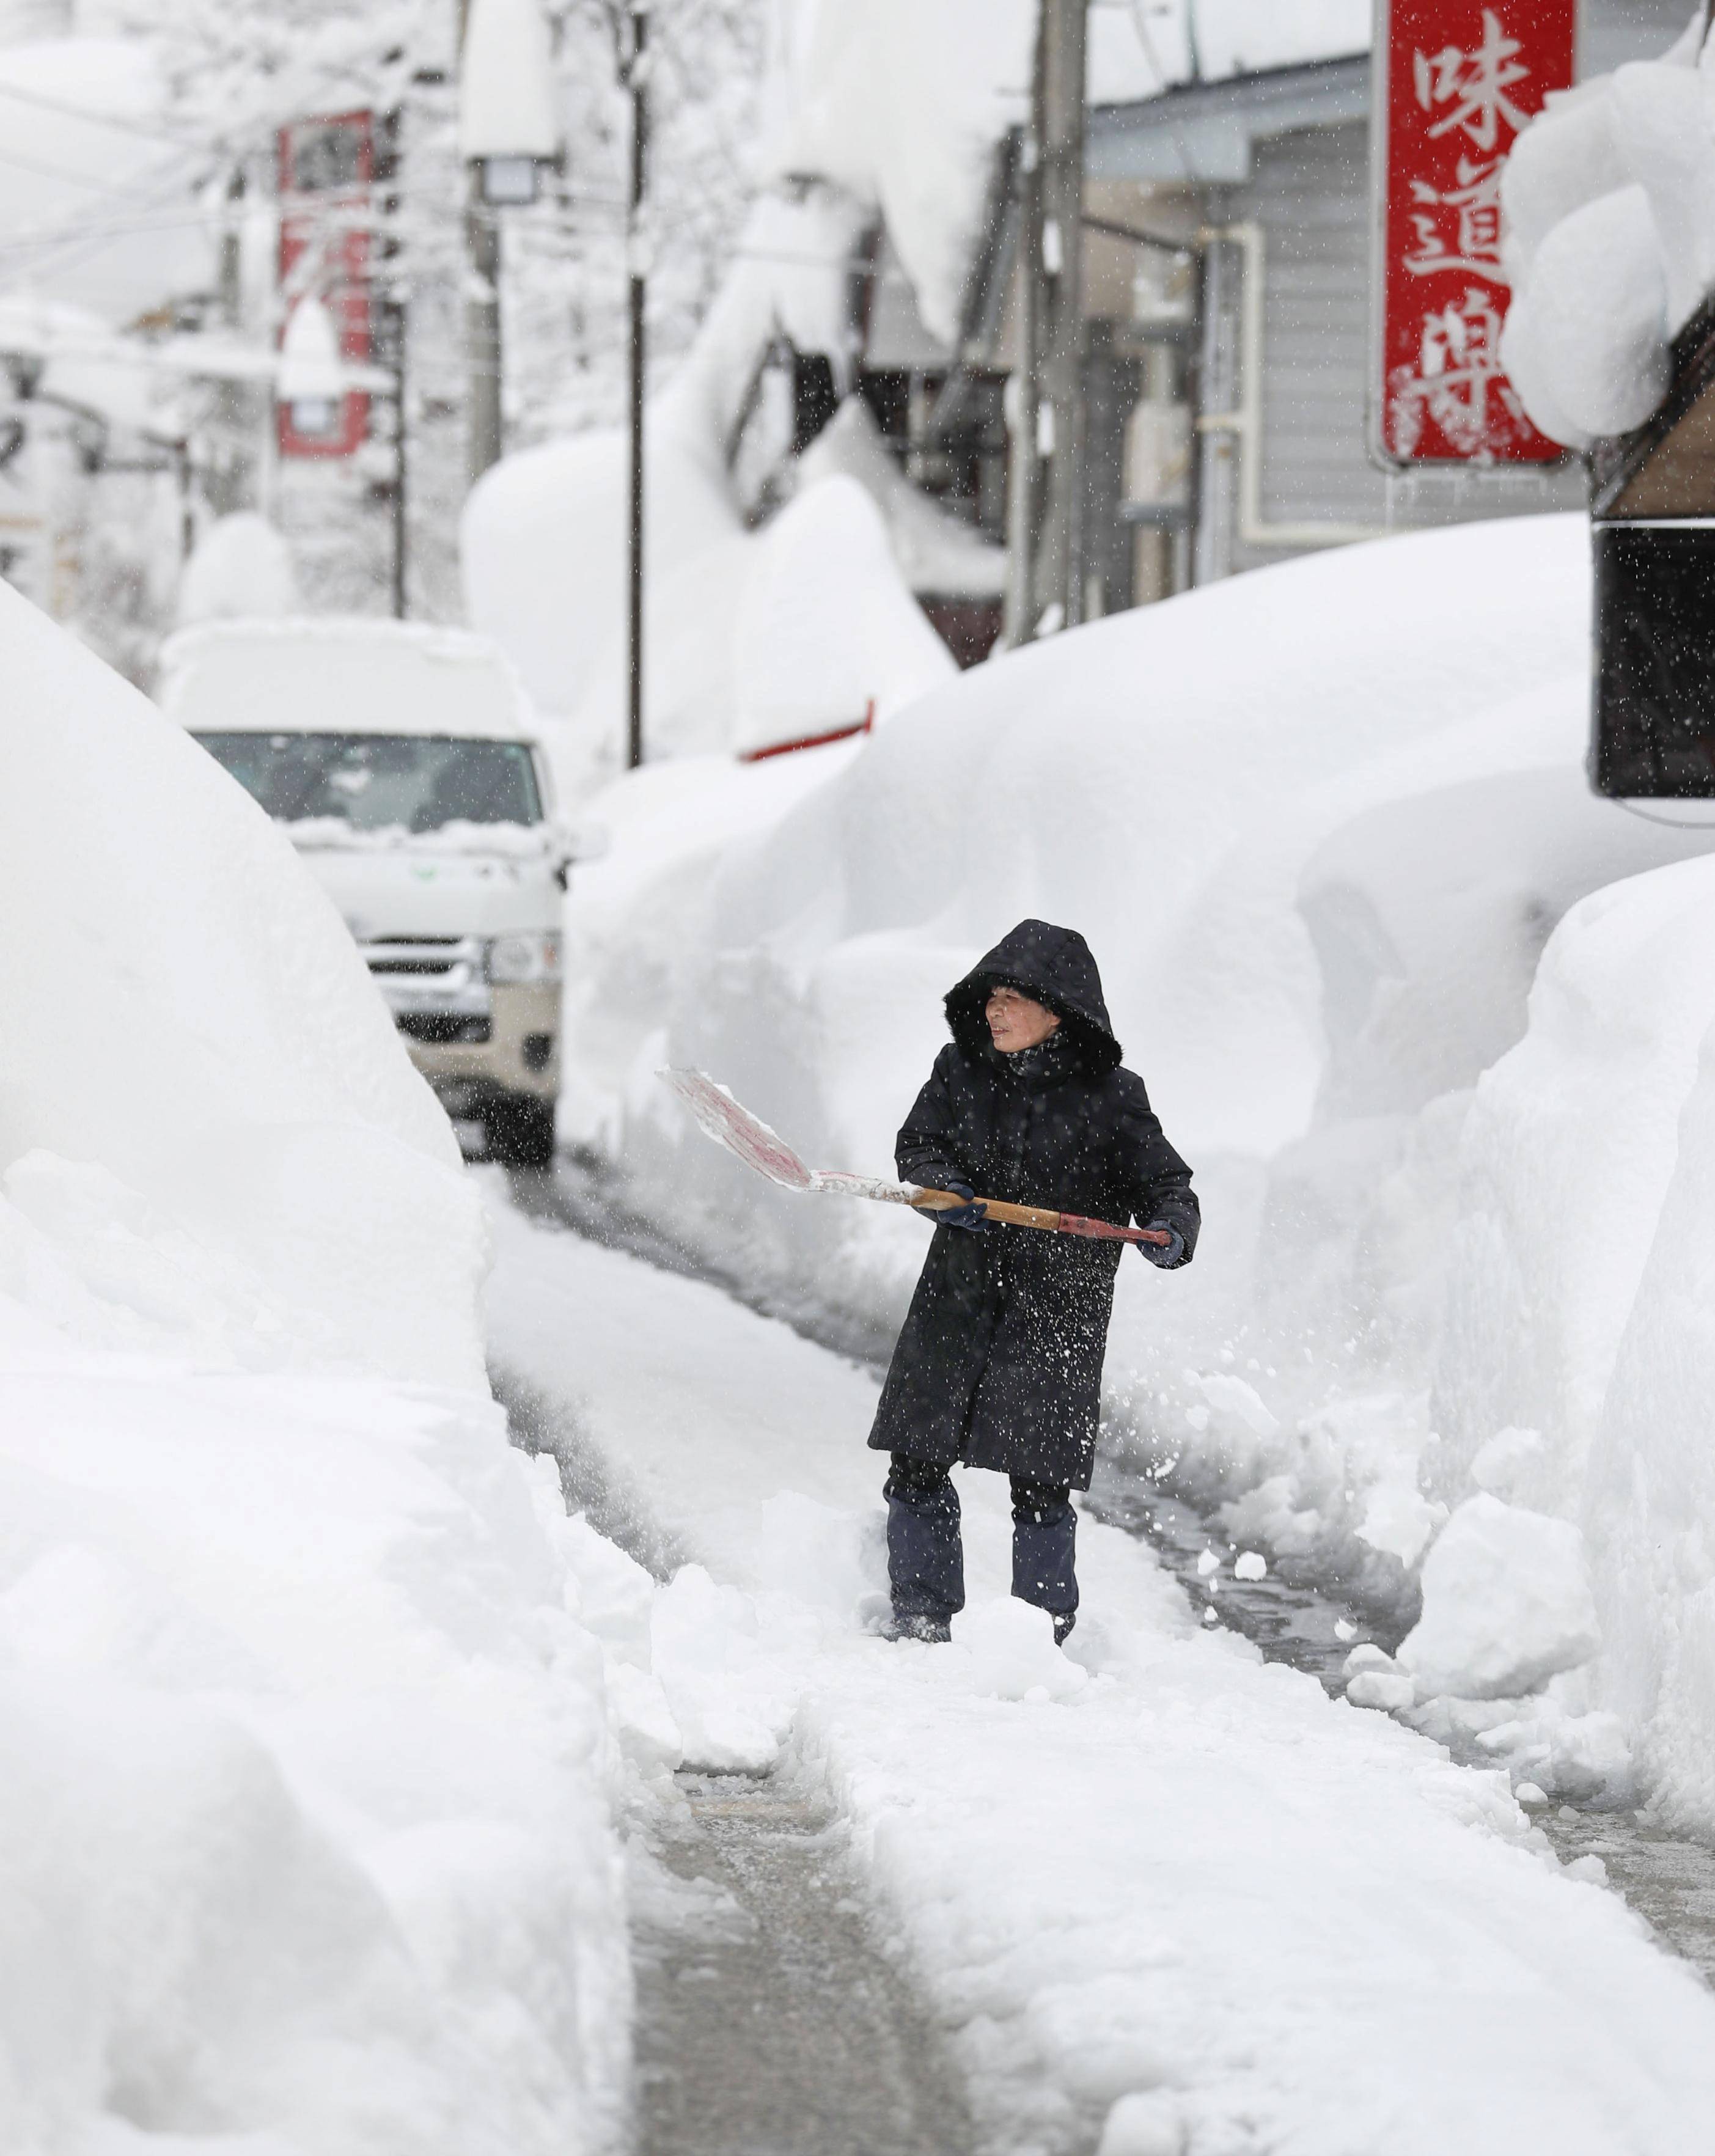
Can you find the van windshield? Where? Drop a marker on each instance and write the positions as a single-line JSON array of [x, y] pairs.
[[382, 782]]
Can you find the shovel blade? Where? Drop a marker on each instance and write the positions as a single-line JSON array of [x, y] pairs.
[[744, 1135]]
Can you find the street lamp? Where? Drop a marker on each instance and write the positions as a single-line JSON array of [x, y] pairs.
[[310, 380], [508, 129]]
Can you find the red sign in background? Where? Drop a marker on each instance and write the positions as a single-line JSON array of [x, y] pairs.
[[1456, 82], [326, 167]]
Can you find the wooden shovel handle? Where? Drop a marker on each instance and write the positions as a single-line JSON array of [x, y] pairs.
[[1039, 1216]]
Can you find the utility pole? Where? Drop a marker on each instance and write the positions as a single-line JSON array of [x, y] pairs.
[[394, 325], [482, 306], [1216, 528], [1046, 523], [635, 76], [242, 411], [1024, 390], [482, 332]]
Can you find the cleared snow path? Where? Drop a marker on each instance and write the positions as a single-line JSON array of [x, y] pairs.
[[769, 2021], [1166, 1897]]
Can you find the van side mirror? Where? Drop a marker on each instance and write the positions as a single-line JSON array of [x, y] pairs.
[[585, 841], [579, 842]]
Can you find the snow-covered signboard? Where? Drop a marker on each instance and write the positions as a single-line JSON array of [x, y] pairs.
[[1455, 82], [326, 169]]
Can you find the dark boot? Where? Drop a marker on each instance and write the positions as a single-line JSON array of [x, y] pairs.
[[926, 1566], [932, 1631], [1045, 1533]]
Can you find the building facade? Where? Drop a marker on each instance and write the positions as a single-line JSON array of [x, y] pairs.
[[1227, 275]]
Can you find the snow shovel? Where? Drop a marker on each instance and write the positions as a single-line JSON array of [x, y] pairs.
[[731, 1125]]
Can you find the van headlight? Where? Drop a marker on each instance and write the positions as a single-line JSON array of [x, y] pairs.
[[532, 959]]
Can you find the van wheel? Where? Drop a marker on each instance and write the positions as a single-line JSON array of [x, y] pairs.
[[520, 1133]]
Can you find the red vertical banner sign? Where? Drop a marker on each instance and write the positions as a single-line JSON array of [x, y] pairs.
[[1455, 82], [326, 167]]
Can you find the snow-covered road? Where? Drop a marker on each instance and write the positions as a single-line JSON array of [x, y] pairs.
[[1162, 1895]]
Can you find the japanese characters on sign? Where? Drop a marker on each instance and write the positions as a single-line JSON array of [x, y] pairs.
[[326, 167], [1455, 81]]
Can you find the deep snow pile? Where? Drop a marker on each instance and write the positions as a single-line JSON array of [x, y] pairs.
[[240, 570], [305, 1826], [1162, 1897], [192, 1039], [1610, 244], [1578, 1317], [1318, 823]]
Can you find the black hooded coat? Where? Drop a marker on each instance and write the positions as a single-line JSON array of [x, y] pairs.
[[999, 1362]]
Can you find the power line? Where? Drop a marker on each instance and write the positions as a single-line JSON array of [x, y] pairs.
[[100, 187], [95, 119]]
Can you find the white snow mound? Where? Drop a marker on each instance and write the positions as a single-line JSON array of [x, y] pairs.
[[1012, 1651], [202, 1100], [1609, 200], [1507, 1605]]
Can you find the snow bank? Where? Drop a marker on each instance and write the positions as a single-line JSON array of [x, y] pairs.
[[305, 1825], [1505, 1605], [306, 1814], [1610, 201], [1651, 1499], [197, 1081], [825, 631], [936, 551], [1573, 1325], [240, 569], [1160, 1896]]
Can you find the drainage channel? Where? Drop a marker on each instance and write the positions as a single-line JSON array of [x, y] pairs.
[[1667, 1877], [770, 2020]]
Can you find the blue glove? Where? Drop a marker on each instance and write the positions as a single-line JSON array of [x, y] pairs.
[[1165, 1254], [972, 1213]]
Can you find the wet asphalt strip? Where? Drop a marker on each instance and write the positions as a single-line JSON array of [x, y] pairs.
[[772, 2021]]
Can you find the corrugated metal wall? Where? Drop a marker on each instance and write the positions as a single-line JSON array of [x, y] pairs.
[[1310, 194]]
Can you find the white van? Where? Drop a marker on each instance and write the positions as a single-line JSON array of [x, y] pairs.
[[403, 764]]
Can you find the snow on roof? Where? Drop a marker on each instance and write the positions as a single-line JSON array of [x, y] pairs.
[[506, 106], [902, 102], [1607, 197], [342, 675]]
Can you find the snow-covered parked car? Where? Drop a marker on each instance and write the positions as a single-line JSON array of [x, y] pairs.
[[404, 764]]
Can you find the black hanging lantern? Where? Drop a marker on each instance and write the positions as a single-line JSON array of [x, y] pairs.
[[1652, 507]]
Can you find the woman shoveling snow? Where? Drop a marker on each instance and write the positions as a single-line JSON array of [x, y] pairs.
[[998, 1364]]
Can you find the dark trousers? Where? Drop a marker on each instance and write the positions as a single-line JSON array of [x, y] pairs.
[[926, 1565]]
